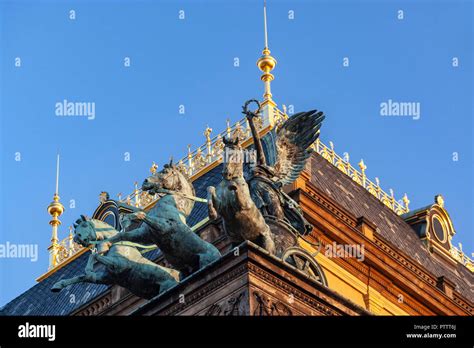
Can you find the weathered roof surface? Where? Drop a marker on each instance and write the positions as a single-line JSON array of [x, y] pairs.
[[359, 202], [39, 300]]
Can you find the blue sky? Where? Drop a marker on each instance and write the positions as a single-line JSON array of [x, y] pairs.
[[190, 62]]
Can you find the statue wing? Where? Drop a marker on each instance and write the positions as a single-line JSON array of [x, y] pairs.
[[294, 137]]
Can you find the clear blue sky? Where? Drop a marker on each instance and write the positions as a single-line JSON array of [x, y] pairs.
[[191, 62]]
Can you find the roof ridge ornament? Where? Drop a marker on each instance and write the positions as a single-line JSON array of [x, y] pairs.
[[266, 63], [55, 209]]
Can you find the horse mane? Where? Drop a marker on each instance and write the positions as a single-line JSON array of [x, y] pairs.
[[185, 186], [101, 226]]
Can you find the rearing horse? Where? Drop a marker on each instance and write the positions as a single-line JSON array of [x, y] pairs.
[[124, 264], [165, 224], [232, 201]]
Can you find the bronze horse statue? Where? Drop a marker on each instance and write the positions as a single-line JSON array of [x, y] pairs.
[[123, 264], [165, 224], [232, 201], [294, 138]]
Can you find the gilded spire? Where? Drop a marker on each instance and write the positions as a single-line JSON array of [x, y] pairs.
[[266, 63], [55, 209]]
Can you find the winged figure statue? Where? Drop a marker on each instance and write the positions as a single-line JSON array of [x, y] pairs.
[[293, 141]]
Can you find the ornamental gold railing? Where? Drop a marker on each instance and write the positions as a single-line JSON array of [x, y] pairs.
[[343, 164], [210, 153], [64, 249], [198, 161], [460, 256]]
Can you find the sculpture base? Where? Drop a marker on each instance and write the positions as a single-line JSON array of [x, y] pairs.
[[249, 282]]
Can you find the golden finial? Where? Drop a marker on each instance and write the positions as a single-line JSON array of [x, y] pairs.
[[189, 151], [207, 134], [346, 157], [154, 168], [228, 129], [103, 197], [55, 209], [363, 167], [406, 201], [439, 200], [266, 63], [70, 241], [190, 160], [392, 196], [137, 197]]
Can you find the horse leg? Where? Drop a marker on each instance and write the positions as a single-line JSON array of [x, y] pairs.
[[91, 277], [109, 261], [167, 285], [244, 202], [207, 258], [212, 202], [90, 264], [58, 286], [268, 242], [138, 235]]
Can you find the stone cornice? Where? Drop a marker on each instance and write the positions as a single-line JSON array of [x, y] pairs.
[[311, 197]]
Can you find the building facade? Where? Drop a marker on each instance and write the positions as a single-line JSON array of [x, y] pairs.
[[368, 253]]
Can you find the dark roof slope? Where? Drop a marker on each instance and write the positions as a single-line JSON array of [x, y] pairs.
[[358, 201], [39, 300]]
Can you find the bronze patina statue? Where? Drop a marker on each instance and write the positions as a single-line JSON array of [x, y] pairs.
[[231, 200], [165, 224], [122, 264], [293, 141]]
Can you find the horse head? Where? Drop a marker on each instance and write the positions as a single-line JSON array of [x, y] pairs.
[[233, 159], [170, 178], [84, 231]]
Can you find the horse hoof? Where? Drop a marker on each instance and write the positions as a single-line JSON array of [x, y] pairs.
[[55, 289], [232, 188]]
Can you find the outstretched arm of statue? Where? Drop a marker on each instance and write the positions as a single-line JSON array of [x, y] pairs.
[[212, 202]]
